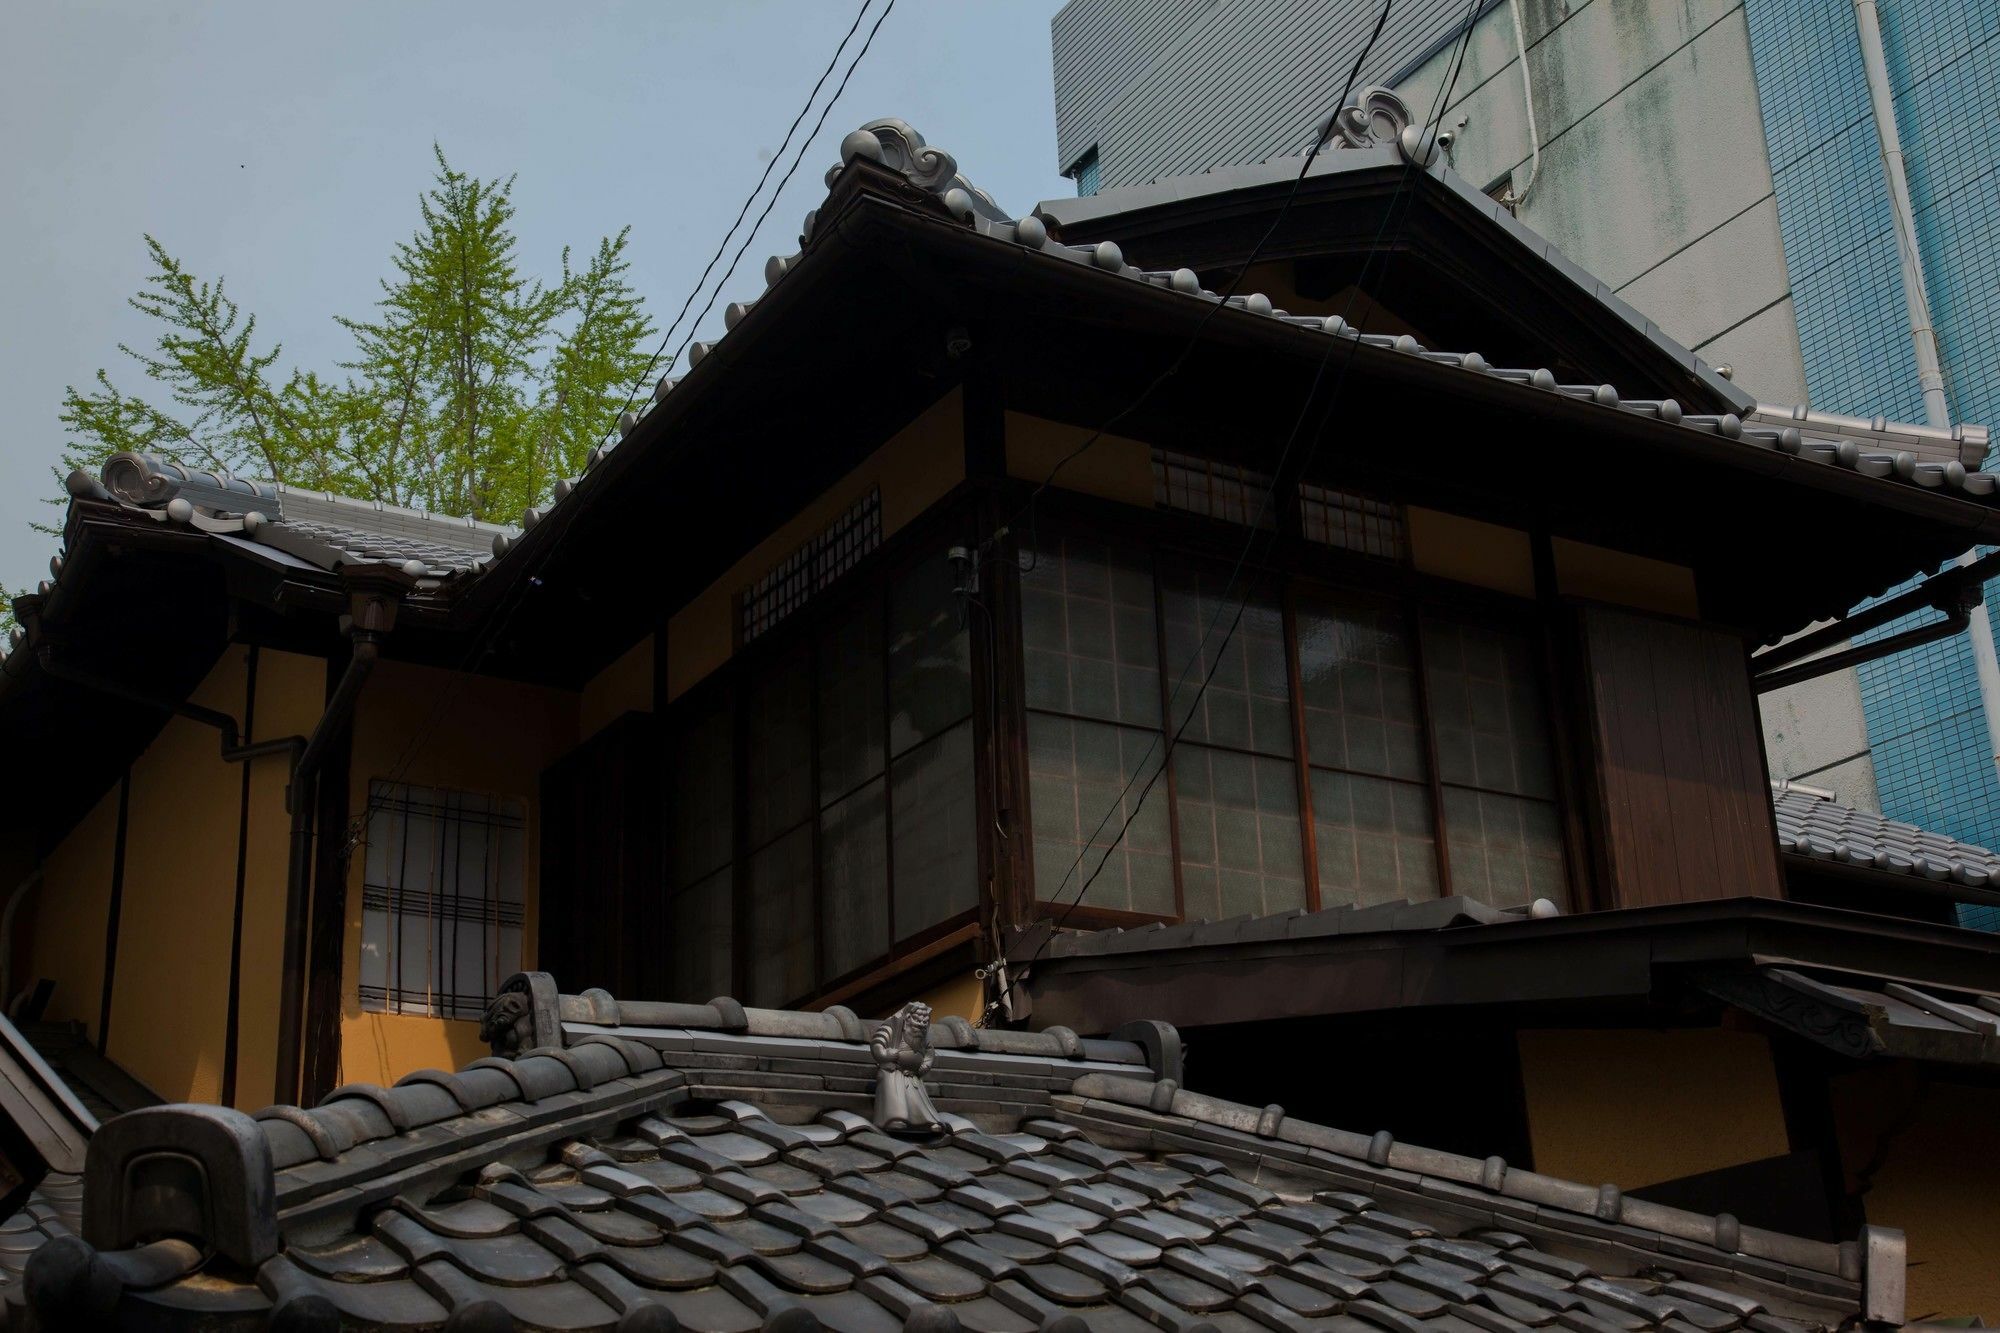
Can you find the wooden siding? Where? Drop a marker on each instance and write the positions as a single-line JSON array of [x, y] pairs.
[[1687, 804]]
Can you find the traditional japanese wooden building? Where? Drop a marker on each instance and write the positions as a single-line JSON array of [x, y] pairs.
[[1306, 609]]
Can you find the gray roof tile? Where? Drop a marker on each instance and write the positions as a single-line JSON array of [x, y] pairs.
[[644, 1189], [1812, 824]]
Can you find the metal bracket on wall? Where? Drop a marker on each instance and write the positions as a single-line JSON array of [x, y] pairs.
[[1955, 593]]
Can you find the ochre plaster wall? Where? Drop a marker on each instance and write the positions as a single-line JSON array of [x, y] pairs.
[[1630, 580], [291, 695], [1634, 1108], [1469, 551], [1114, 468], [625, 686], [963, 995], [492, 736], [919, 466], [63, 920], [170, 986], [1920, 1152]]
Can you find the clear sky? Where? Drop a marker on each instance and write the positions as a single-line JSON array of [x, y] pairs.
[[283, 145]]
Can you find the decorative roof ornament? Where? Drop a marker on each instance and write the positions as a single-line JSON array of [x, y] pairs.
[[897, 145], [901, 1045], [151, 482], [1371, 118]]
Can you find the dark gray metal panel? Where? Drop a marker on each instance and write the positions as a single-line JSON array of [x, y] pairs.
[[1175, 88], [1100, 48]]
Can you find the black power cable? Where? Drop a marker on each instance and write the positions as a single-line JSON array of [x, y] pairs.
[[1027, 510], [667, 335]]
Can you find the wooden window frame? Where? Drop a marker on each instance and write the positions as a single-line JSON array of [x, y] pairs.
[[1301, 566], [870, 577]]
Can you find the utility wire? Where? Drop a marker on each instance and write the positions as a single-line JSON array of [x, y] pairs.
[[1454, 68], [667, 334], [498, 623], [1173, 368]]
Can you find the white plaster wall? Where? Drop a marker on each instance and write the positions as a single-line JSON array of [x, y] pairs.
[[1654, 176]]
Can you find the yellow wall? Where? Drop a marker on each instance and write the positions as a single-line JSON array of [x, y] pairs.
[[64, 918], [963, 995], [918, 466], [626, 686], [1114, 468], [1637, 581], [1469, 551], [1935, 1175], [170, 991], [1711, 1099], [291, 695], [492, 736]]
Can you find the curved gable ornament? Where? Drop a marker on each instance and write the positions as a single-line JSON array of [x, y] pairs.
[[1371, 118], [897, 145]]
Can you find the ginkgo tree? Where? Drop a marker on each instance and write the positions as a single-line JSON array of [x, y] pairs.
[[472, 386]]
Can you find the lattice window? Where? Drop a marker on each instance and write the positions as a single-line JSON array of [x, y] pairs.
[[813, 566], [1228, 491], [442, 899], [1353, 522]]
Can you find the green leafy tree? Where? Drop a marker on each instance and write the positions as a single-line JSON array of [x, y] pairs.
[[471, 387]]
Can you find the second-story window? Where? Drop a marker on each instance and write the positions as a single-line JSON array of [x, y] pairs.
[[821, 810], [1427, 764]]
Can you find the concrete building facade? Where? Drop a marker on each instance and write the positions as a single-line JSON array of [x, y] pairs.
[[1716, 163]]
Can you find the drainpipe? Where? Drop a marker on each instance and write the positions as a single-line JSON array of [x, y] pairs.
[[373, 614], [1923, 336]]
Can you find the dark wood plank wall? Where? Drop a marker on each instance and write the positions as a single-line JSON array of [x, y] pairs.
[[1679, 757], [602, 910]]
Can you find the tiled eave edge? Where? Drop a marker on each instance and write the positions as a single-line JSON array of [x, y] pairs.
[[361, 1158], [1160, 1117], [328, 1196]]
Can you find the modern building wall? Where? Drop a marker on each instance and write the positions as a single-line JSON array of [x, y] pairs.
[[1150, 88], [1926, 724]]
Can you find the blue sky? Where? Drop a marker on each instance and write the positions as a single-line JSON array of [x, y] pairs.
[[283, 146]]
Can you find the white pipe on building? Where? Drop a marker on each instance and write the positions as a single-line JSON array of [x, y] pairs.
[[1929, 374], [1528, 103], [1923, 336]]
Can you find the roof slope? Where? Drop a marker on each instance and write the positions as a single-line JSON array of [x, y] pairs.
[[1812, 824], [714, 1164], [323, 531]]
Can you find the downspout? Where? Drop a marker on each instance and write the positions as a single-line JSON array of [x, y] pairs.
[[1515, 198], [374, 613], [1923, 335]]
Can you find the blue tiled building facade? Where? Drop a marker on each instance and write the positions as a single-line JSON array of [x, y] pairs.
[[1926, 726]]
